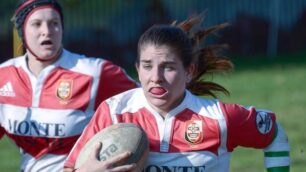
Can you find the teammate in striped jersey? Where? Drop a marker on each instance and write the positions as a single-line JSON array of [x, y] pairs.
[[48, 95], [187, 133]]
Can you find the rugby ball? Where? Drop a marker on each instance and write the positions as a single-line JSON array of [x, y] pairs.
[[116, 139]]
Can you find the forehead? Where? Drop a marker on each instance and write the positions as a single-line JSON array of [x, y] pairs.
[[153, 52], [44, 12]]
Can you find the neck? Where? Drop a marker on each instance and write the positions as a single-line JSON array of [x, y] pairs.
[[164, 110], [162, 113], [35, 65]]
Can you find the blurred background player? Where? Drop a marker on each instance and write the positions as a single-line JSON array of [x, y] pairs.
[[48, 95], [186, 132]]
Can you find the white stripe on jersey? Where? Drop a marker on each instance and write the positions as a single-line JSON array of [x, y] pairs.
[[223, 128], [33, 122]]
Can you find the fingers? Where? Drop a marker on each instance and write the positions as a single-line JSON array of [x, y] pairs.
[[96, 151], [114, 164], [119, 159]]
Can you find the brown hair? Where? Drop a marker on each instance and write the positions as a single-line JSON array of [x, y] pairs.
[[186, 43]]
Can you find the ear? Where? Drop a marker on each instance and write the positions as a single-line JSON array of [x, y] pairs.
[[189, 72], [137, 69]]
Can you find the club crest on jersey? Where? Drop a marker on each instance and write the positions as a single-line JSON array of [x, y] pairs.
[[263, 122], [194, 131], [64, 89]]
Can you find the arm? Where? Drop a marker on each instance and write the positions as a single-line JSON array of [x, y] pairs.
[[100, 120], [250, 127], [277, 157]]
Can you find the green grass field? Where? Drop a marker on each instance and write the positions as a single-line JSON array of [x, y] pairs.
[[276, 84]]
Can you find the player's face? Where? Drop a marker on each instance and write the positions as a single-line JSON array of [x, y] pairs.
[[162, 76], [43, 32]]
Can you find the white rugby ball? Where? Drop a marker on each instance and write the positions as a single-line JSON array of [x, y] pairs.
[[116, 139]]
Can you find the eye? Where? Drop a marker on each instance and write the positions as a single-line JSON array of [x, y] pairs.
[[147, 66], [169, 68], [55, 23], [36, 24]]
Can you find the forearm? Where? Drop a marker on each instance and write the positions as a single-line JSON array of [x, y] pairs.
[[277, 158]]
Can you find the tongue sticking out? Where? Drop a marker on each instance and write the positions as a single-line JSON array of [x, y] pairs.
[[158, 91]]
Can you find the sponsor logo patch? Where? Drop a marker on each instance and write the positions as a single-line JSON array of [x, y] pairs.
[[194, 131], [7, 90], [263, 122], [64, 89]]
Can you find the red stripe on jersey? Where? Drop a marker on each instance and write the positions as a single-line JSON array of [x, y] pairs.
[[38, 146], [64, 89], [242, 129], [21, 91], [210, 131], [114, 80]]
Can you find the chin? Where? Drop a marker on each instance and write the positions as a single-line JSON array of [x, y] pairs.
[[47, 54], [159, 104], [46, 57]]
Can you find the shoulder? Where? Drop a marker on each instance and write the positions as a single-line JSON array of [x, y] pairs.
[[80, 59], [17, 61], [12, 65], [80, 63], [135, 94], [130, 100], [204, 106], [200, 101]]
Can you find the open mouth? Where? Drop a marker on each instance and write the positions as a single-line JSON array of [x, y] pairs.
[[47, 42]]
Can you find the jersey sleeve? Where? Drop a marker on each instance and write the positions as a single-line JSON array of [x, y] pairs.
[[113, 80], [277, 157], [248, 127], [2, 132], [100, 120]]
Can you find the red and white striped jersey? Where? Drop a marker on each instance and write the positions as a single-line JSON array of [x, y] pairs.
[[198, 135], [45, 115]]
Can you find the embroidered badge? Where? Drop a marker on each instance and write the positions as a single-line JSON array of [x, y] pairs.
[[263, 122], [193, 131], [64, 89]]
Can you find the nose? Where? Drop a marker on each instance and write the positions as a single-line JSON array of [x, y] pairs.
[[157, 75], [46, 29]]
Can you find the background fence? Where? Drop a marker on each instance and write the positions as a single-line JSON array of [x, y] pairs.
[[110, 28]]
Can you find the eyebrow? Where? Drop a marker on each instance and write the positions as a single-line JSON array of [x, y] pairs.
[[164, 63], [146, 61], [51, 19]]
